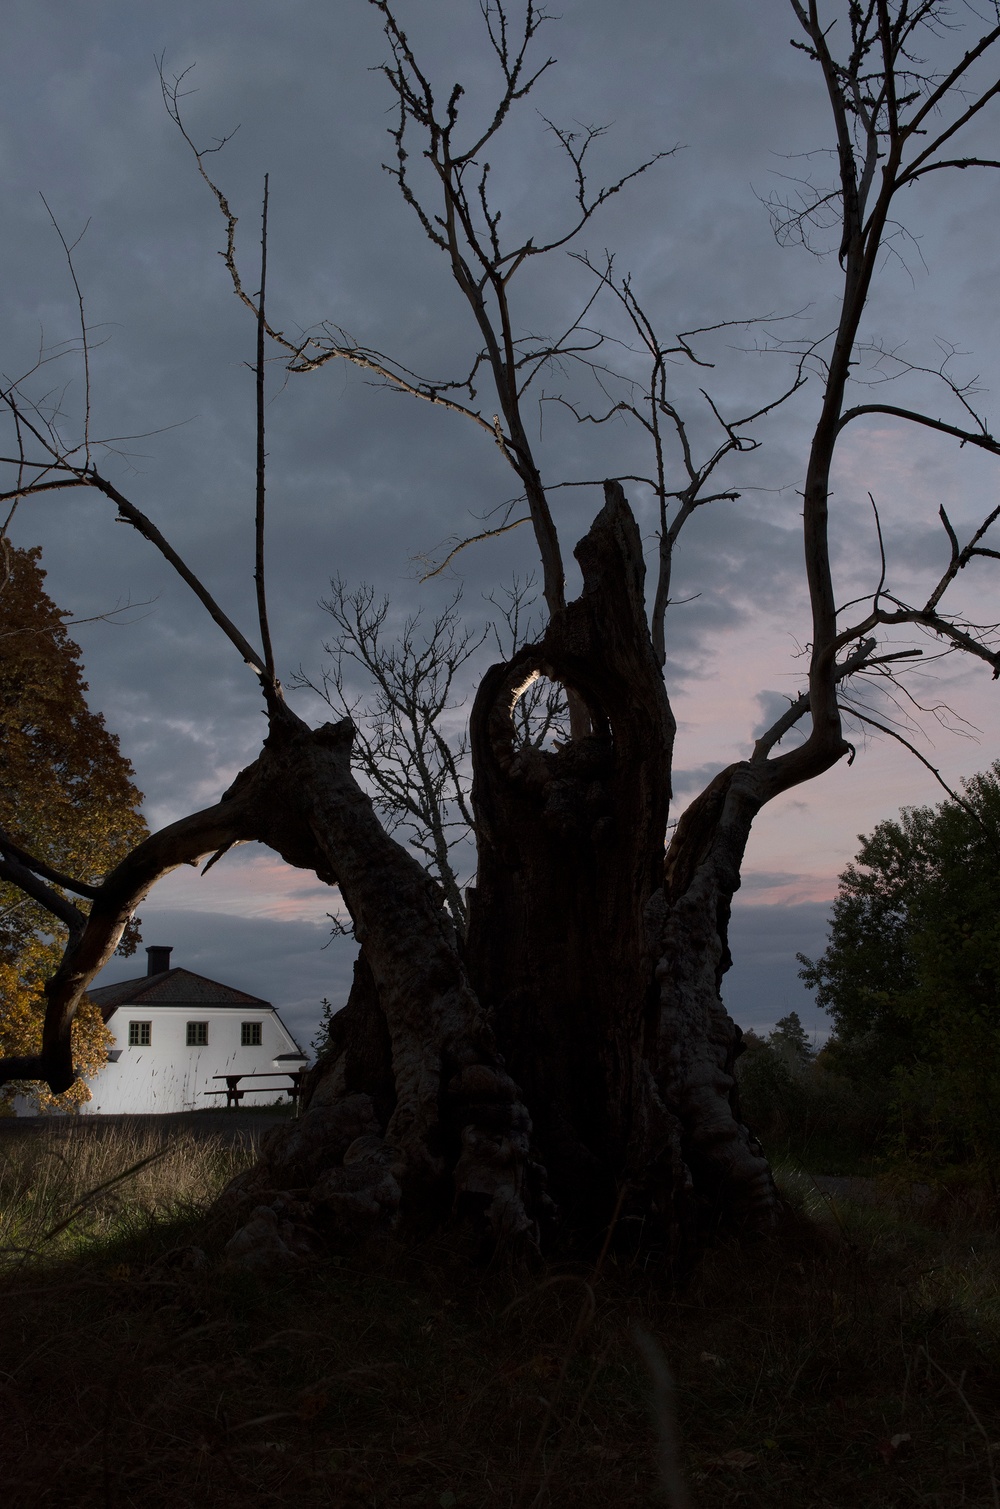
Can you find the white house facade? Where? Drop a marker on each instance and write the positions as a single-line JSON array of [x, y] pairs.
[[178, 1036]]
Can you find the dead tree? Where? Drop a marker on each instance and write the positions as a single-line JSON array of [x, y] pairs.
[[569, 1057], [415, 765]]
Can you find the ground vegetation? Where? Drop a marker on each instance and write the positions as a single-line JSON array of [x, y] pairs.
[[856, 1364], [911, 973]]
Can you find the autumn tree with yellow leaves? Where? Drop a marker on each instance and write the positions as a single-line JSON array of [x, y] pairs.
[[68, 796]]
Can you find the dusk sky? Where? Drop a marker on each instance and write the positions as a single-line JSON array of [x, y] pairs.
[[365, 483]]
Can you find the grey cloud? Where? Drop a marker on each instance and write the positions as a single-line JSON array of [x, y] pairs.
[[292, 964], [763, 983], [690, 782], [765, 880], [360, 481], [772, 706]]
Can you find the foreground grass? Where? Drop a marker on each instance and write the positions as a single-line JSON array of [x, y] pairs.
[[69, 1189], [853, 1363]]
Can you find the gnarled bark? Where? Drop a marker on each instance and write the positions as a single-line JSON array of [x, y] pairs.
[[602, 982], [572, 1054], [575, 1039], [574, 1047]]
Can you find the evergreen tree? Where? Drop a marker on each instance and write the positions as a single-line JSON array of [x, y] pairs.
[[791, 1039]]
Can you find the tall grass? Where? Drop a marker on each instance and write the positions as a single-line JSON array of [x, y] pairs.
[[849, 1363], [69, 1189]]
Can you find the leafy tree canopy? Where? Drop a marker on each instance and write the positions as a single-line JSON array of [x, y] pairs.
[[911, 975], [68, 796]]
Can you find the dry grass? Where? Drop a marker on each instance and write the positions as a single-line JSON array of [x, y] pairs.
[[64, 1188], [850, 1365]]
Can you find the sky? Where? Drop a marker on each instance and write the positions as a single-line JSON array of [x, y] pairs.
[[364, 484]]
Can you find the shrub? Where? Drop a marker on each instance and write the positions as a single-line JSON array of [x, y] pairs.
[[804, 1110]]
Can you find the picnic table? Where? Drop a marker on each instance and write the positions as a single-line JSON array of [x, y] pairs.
[[234, 1094]]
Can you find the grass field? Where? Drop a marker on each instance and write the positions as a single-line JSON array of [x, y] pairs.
[[852, 1363]]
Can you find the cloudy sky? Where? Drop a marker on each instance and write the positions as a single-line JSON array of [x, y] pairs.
[[364, 484]]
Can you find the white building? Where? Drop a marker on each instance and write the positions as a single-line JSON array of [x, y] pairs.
[[178, 1036]]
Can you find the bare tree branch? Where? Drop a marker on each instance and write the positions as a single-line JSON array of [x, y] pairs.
[[15, 854], [967, 437], [860, 657], [94, 938], [419, 776], [473, 539], [27, 881], [84, 334], [128, 513], [874, 121], [265, 633], [894, 733]]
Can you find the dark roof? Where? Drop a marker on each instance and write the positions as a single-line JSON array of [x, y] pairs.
[[172, 987]]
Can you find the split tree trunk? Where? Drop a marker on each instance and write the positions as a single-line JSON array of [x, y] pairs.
[[600, 978], [571, 1059]]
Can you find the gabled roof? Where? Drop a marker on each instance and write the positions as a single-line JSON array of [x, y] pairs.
[[172, 987]]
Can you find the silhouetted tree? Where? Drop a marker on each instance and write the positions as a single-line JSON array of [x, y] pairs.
[[790, 1037], [571, 1051], [911, 974]]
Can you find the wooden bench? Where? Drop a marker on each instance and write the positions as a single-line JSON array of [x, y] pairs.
[[234, 1094]]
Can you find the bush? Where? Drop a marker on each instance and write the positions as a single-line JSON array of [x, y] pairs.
[[802, 1109], [911, 978]]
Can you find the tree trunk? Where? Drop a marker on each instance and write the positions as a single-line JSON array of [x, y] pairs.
[[571, 1059], [570, 856], [602, 981]]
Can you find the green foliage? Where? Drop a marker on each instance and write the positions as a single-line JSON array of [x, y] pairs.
[[67, 797], [322, 1034], [804, 1110], [911, 975], [790, 1039]]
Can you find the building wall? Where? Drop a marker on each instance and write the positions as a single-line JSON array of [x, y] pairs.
[[167, 1075]]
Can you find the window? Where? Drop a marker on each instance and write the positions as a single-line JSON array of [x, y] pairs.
[[250, 1035], [140, 1034], [197, 1034]]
